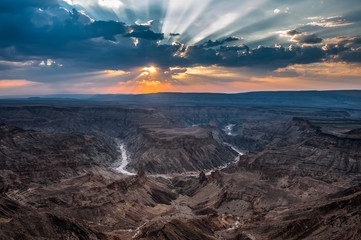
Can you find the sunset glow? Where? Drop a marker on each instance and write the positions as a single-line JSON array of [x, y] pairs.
[[119, 46], [14, 83]]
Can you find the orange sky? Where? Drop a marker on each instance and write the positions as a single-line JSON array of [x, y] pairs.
[[321, 76], [151, 79]]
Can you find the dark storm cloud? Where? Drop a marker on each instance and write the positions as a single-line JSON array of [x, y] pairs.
[[30, 39], [106, 29], [54, 32], [307, 39], [347, 49], [350, 56], [234, 48], [269, 57], [293, 32], [334, 49], [304, 38], [216, 43], [276, 57], [148, 34]]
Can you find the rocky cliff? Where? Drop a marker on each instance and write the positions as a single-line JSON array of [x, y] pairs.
[[35, 157]]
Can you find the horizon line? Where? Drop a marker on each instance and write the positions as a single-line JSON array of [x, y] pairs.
[[138, 94]]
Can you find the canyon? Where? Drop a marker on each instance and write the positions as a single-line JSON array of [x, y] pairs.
[[119, 167]]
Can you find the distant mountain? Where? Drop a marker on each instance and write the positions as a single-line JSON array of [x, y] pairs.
[[319, 99]]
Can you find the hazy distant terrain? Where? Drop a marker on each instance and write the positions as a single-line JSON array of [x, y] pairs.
[[261, 165], [324, 99]]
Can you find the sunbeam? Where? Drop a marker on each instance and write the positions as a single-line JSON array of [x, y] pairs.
[[180, 15], [82, 38], [186, 21], [219, 19]]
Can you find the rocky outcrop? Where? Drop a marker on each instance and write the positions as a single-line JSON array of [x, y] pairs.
[[20, 222], [336, 217], [35, 157], [178, 150], [211, 227], [301, 149]]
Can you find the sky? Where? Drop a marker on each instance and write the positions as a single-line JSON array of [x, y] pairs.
[[145, 46]]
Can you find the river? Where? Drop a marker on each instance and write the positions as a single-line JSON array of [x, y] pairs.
[[123, 161]]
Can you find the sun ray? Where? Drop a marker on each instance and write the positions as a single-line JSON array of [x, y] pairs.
[[193, 21], [222, 21]]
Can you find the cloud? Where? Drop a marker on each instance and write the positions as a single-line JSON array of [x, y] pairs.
[[329, 72], [5, 65], [65, 35], [352, 55], [216, 43], [50, 63], [333, 49], [243, 48], [346, 40], [14, 83], [267, 57], [285, 72], [328, 22], [307, 39], [59, 28], [293, 32], [322, 75], [55, 36], [303, 38], [347, 49], [106, 29], [148, 34]]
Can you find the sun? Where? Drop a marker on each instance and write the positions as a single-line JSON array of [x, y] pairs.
[[152, 69], [148, 70]]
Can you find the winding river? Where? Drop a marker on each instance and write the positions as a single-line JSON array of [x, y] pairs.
[[123, 161]]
